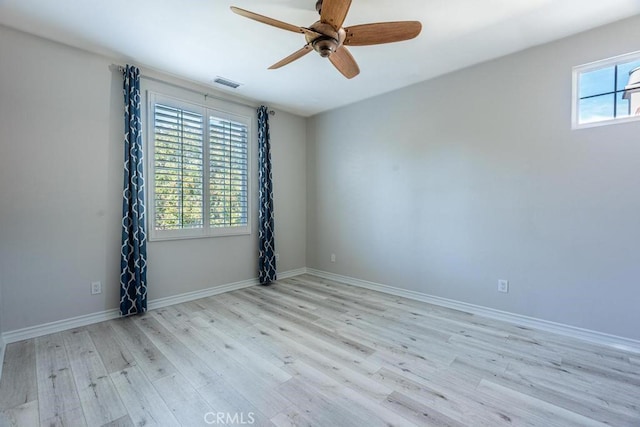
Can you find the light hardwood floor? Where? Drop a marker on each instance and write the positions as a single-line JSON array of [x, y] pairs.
[[312, 352]]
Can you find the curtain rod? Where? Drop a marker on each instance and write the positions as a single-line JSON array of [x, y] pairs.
[[206, 95]]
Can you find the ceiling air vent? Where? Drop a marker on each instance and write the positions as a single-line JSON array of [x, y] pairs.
[[226, 82]]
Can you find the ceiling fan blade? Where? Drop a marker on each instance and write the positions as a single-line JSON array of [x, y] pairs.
[[382, 32], [267, 20], [295, 55], [334, 12], [344, 62]]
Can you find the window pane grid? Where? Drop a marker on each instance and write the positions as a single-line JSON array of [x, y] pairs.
[[178, 168], [603, 93], [182, 200], [228, 163]]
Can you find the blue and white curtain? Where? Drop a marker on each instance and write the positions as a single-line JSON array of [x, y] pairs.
[[267, 255], [133, 262]]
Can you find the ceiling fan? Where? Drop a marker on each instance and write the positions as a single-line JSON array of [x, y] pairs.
[[330, 39]]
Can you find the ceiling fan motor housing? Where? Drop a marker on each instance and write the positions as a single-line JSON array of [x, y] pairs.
[[325, 46], [329, 39]]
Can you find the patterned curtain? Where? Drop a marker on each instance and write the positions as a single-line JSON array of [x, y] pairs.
[[267, 256], [133, 262]]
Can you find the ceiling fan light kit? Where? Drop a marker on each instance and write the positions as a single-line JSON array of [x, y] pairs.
[[330, 39]]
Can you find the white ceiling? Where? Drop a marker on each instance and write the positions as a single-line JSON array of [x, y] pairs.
[[201, 39]]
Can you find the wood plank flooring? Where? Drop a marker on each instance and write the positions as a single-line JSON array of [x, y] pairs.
[[313, 352]]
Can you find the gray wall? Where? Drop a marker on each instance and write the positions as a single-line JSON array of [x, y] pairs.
[[60, 191], [449, 185]]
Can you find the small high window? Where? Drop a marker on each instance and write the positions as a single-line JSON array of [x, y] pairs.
[[606, 91]]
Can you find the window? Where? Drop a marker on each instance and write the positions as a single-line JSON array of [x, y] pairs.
[[199, 170], [607, 91]]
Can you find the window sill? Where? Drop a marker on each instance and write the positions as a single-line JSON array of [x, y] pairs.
[[245, 231], [577, 126]]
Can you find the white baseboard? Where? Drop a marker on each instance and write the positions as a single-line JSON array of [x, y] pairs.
[[88, 319], [58, 326], [529, 322], [292, 273], [191, 296]]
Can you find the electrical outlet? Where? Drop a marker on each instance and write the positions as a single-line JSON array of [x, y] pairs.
[[503, 286], [96, 288], [277, 257], [333, 257]]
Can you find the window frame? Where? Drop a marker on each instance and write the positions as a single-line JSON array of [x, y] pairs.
[[207, 111], [575, 90]]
